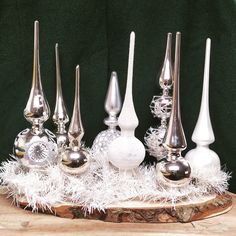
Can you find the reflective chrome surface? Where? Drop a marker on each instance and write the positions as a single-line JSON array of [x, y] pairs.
[[176, 168], [36, 147], [37, 110], [35, 150], [60, 116], [75, 159], [76, 129], [175, 139], [113, 101], [166, 76]]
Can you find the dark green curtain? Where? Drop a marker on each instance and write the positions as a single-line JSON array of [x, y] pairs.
[[95, 34]]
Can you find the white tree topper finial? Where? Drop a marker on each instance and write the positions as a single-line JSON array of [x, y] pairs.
[[203, 132], [202, 159], [127, 152], [128, 119]]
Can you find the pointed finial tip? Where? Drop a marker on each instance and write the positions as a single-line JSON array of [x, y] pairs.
[[77, 67], [113, 73], [56, 45], [132, 34]]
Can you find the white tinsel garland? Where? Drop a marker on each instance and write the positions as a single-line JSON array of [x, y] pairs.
[[102, 185]]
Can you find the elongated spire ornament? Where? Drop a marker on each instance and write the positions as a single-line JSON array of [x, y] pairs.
[[161, 106], [36, 147], [176, 169], [37, 110], [112, 106], [60, 116], [202, 159], [75, 158], [127, 152]]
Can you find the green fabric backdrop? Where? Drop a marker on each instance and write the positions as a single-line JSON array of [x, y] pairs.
[[95, 34]]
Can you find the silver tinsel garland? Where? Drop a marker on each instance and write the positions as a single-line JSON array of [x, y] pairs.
[[102, 185]]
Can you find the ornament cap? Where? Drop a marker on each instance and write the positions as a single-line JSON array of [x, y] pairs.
[[60, 116], [37, 110]]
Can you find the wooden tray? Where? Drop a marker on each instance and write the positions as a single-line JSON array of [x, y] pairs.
[[144, 212]]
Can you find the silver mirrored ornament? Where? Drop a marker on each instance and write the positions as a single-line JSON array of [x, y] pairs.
[[112, 106], [176, 170], [161, 106], [36, 147], [60, 116], [75, 158]]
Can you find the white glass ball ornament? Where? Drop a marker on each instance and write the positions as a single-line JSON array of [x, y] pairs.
[[130, 154]]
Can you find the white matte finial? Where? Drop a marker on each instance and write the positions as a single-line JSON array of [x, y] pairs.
[[203, 132], [202, 158], [128, 119], [127, 152]]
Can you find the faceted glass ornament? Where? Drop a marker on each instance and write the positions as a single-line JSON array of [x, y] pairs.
[[35, 150], [161, 106], [103, 139]]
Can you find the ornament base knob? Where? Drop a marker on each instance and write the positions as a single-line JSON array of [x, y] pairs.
[[175, 172]]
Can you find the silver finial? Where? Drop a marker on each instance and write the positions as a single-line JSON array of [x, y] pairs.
[[166, 76], [176, 169], [161, 106], [75, 159], [36, 147], [113, 101], [37, 110], [76, 129], [175, 138], [60, 116]]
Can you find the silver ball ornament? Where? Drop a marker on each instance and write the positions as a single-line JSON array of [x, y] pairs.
[[74, 161], [176, 172], [35, 150]]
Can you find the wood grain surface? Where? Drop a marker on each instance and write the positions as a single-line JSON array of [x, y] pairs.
[[15, 221], [145, 212]]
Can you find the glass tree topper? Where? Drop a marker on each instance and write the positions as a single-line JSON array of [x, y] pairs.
[[176, 169], [202, 159], [36, 147], [127, 152], [75, 159], [161, 107], [112, 106], [60, 116]]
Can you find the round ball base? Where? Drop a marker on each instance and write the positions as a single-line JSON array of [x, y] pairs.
[[144, 212]]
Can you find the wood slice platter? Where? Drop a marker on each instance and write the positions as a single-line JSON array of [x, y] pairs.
[[145, 212]]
